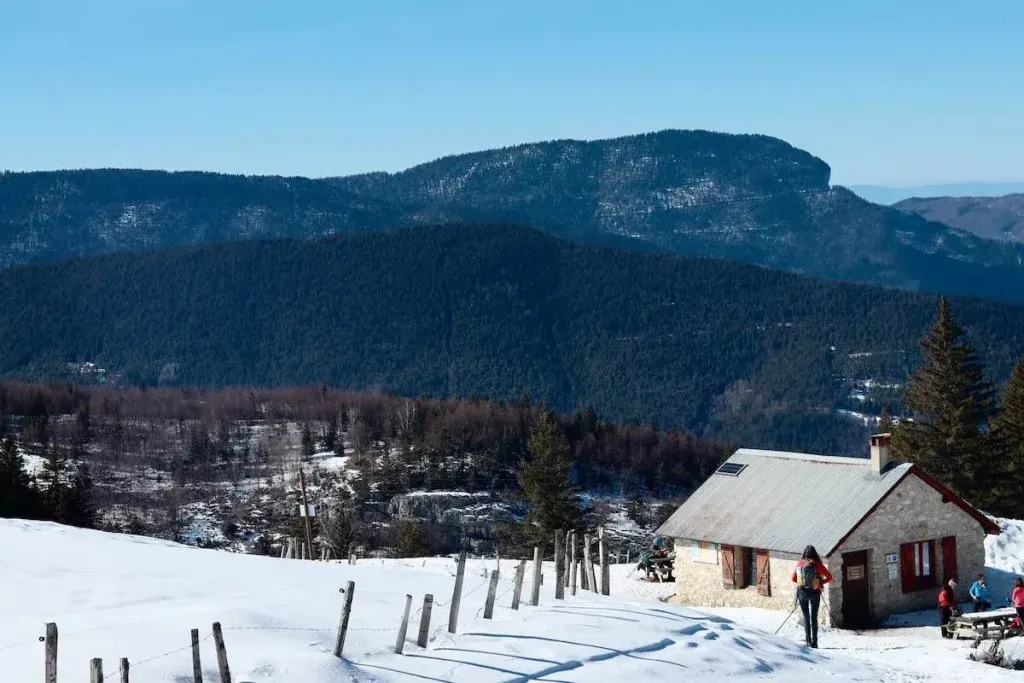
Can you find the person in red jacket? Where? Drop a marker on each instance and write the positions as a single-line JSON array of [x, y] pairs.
[[810, 576], [947, 607]]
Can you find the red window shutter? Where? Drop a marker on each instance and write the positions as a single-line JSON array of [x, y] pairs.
[[949, 567], [764, 586], [728, 566], [908, 573]]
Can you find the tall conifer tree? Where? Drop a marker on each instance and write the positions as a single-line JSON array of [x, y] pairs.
[[18, 498], [1008, 440], [950, 405], [885, 423], [545, 479]]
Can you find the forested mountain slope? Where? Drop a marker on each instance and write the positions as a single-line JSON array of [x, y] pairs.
[[740, 352]]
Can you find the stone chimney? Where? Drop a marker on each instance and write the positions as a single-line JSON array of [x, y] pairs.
[[879, 452]]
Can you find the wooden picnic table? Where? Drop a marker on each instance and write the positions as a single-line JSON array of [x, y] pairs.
[[660, 568], [993, 623]]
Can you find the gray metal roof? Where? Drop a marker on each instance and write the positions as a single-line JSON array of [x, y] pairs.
[[783, 501]]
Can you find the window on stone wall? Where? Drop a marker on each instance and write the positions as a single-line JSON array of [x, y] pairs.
[[704, 552], [917, 561]]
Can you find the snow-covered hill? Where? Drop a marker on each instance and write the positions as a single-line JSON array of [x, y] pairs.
[[116, 596]]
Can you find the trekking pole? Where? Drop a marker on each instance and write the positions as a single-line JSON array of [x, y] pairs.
[[795, 605]]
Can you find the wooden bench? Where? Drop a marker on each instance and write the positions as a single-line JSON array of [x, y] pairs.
[[660, 568]]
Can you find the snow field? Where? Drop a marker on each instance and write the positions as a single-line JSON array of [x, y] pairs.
[[116, 596]]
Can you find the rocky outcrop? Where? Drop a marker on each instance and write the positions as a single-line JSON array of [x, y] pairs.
[[467, 519]]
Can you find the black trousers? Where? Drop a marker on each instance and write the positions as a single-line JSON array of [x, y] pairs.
[[982, 605], [945, 614], [810, 601]]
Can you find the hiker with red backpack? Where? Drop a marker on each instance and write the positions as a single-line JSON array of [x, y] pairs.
[[810, 577]]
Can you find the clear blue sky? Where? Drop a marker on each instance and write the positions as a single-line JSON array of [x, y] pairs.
[[886, 91]]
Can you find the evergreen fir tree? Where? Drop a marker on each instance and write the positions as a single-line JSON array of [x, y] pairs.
[[55, 496], [1008, 439], [545, 480], [78, 509], [885, 423], [950, 406], [331, 442], [18, 498], [308, 445]]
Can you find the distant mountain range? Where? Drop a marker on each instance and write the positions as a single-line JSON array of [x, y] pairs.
[[742, 353], [747, 198], [883, 194], [997, 218]]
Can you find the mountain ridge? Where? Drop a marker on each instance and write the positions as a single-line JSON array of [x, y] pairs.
[[890, 194], [745, 197], [995, 218]]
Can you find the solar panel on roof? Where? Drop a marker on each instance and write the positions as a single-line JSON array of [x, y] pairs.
[[731, 468]]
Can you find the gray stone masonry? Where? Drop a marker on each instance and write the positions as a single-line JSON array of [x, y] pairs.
[[913, 512], [701, 584]]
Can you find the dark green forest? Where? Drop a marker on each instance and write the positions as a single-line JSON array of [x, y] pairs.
[[720, 349]]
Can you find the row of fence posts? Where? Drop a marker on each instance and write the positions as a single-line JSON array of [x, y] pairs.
[[294, 549], [96, 664], [567, 567]]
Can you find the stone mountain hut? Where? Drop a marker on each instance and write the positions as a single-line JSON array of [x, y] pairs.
[[888, 532]]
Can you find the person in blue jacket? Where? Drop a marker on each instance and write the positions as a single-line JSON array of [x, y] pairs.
[[980, 595]]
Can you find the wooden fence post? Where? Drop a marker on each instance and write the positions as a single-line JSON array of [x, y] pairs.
[[124, 670], [404, 628], [584, 573], [96, 671], [305, 510], [197, 665], [517, 591], [559, 567], [565, 560], [605, 569], [222, 653], [573, 566], [492, 590], [352, 552], [51, 653], [591, 574], [428, 605], [535, 588], [453, 613], [346, 610]]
